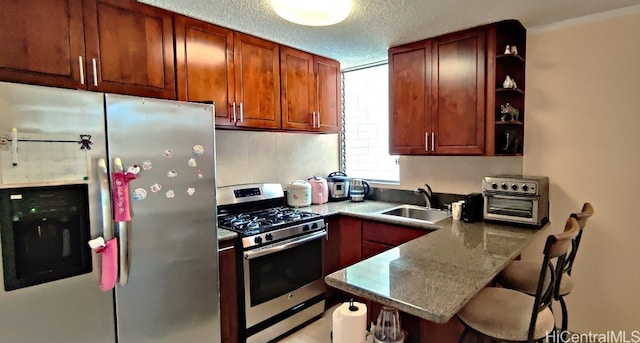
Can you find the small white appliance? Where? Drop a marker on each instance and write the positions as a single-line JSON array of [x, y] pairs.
[[299, 193]]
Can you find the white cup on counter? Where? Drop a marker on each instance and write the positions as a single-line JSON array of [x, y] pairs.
[[456, 210]]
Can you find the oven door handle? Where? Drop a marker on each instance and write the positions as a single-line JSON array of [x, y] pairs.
[[280, 247], [513, 197]]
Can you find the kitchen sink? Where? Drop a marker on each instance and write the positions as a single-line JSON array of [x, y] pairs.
[[419, 213]]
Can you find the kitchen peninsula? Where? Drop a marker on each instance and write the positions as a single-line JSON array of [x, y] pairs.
[[432, 277]]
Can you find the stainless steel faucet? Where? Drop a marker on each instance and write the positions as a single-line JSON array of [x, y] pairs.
[[427, 193]]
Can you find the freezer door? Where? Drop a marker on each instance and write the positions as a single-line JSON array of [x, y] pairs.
[[47, 121], [171, 291]]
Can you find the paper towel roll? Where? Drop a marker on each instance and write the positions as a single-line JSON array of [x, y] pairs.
[[350, 323]]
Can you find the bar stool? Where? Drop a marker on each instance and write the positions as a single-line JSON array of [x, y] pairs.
[[521, 276], [509, 315]]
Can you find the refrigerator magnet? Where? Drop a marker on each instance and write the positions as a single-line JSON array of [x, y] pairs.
[[172, 173], [134, 169], [192, 162], [156, 187], [146, 165], [200, 174], [167, 153], [197, 150], [139, 194], [191, 191], [170, 194]]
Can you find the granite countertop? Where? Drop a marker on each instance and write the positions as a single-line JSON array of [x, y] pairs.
[[433, 276], [225, 235], [366, 210]]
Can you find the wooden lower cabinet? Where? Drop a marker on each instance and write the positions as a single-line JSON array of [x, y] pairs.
[[419, 330], [351, 240], [343, 244], [378, 237], [228, 292], [341, 248]]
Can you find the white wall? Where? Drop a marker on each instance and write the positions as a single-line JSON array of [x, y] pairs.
[[583, 131], [281, 157]]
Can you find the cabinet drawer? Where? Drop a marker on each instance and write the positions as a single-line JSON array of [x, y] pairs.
[[389, 234], [370, 248]]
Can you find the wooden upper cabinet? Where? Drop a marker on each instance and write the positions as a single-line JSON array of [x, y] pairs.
[[437, 95], [257, 82], [329, 101], [204, 65], [298, 89], [42, 42], [129, 48], [410, 98], [310, 91], [458, 106]]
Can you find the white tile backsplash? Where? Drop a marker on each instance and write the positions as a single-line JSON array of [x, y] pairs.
[[281, 157], [453, 174]]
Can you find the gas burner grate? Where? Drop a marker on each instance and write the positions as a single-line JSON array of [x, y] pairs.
[[263, 220]]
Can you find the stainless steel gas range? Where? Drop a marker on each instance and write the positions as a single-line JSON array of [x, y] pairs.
[[280, 258]]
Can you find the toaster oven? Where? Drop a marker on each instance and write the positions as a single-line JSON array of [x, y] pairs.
[[516, 199]]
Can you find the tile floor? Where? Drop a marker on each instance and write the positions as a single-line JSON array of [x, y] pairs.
[[318, 331]]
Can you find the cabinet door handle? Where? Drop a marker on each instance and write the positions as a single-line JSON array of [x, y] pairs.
[[81, 65], [326, 227], [233, 105], [318, 121], [313, 119], [433, 141], [241, 112], [426, 141], [95, 72]]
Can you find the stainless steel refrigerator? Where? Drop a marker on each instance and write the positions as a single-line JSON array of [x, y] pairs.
[[73, 166]]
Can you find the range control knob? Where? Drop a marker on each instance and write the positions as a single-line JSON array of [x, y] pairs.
[[258, 239], [514, 187], [525, 187], [504, 186], [314, 226], [494, 185], [305, 227], [269, 237]]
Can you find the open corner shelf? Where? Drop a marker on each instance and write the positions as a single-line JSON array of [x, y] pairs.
[[510, 56]]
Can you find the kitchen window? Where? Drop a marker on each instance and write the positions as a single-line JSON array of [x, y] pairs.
[[365, 145]]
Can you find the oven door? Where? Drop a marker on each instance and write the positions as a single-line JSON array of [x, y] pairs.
[[512, 209], [281, 276]]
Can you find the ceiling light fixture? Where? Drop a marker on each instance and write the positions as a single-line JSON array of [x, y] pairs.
[[312, 12]]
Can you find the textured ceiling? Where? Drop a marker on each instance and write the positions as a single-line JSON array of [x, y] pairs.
[[375, 25]]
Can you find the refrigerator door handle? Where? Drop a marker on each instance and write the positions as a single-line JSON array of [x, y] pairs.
[[105, 199], [123, 238], [123, 250]]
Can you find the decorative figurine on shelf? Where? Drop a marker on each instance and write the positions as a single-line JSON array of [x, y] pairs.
[[509, 83], [514, 50], [507, 50], [509, 113]]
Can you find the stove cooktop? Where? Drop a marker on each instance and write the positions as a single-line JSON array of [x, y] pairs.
[[257, 214], [250, 223]]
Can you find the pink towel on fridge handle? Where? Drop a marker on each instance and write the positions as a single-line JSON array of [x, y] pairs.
[[109, 274]]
